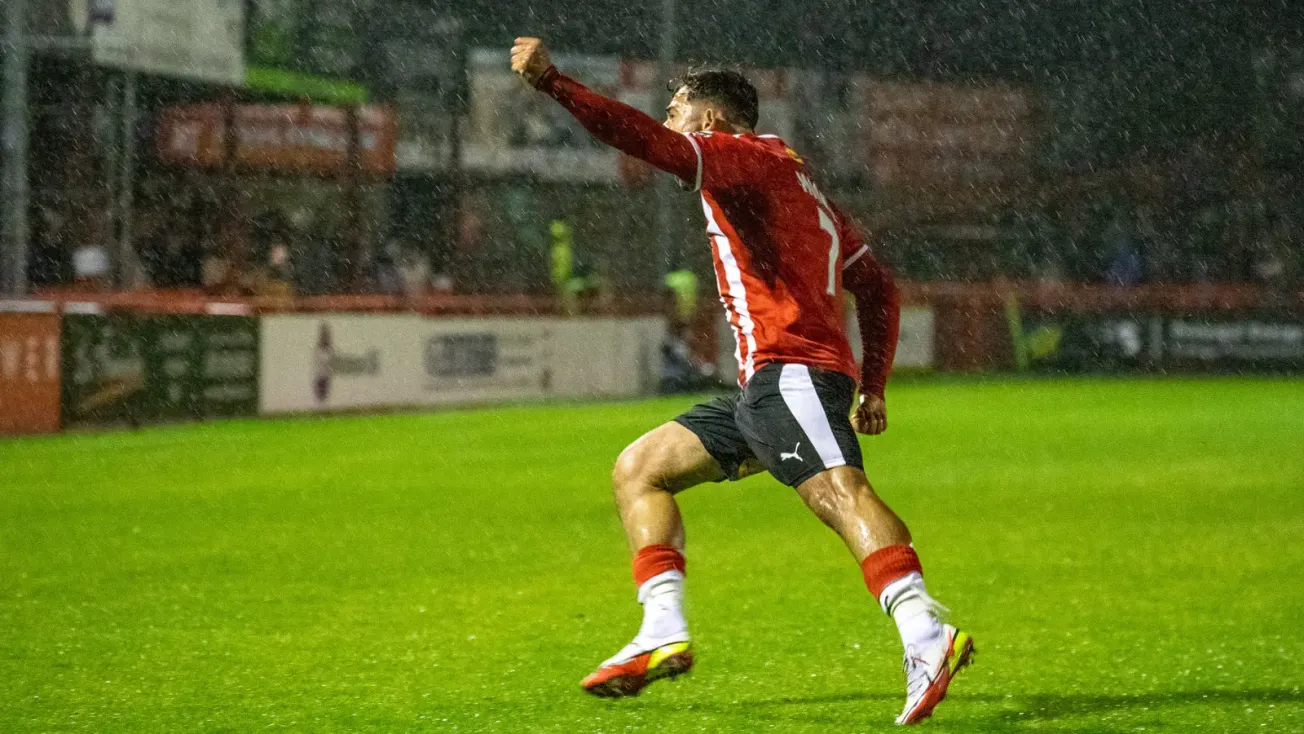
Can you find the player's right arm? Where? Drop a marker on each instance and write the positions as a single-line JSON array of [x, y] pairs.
[[617, 124]]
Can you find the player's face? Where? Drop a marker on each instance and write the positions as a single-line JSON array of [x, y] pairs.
[[685, 116]]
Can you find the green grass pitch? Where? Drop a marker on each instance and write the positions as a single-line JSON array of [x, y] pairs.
[[1129, 556]]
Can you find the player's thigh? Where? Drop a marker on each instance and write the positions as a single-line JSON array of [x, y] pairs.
[[715, 423], [670, 458], [797, 421]]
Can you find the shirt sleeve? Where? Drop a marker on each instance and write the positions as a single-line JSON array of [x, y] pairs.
[[878, 308], [625, 128]]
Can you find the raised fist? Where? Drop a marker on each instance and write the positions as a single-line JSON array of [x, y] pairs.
[[530, 59]]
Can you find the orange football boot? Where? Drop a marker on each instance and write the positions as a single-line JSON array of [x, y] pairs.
[[626, 675]]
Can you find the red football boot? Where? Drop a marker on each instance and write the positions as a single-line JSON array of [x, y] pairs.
[[632, 670]]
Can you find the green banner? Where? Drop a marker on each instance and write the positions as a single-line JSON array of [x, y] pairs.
[[315, 88], [1073, 340], [138, 369]]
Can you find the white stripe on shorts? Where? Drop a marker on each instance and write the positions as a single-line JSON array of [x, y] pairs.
[[804, 403]]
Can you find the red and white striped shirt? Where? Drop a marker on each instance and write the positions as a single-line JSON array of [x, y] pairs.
[[779, 253], [783, 252]]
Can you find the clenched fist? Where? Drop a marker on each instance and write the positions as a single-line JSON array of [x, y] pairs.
[[870, 417], [530, 59]]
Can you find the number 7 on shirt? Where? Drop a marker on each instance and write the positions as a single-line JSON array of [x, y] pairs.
[[826, 224]]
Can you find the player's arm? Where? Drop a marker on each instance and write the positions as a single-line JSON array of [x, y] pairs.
[[617, 124], [878, 311]]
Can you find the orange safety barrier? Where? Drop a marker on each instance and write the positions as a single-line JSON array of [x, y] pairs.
[[185, 301]]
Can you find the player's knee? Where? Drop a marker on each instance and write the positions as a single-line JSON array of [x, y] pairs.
[[637, 470], [628, 473]]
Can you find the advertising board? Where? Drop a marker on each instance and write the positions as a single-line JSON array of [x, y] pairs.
[[279, 137], [514, 129], [29, 373], [1063, 340], [1250, 341], [148, 369], [483, 360], [195, 39], [355, 362], [606, 357], [339, 362], [915, 342]]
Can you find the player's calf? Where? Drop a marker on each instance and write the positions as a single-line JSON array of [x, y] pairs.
[[934, 651]]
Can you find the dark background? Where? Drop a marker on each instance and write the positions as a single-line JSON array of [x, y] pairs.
[[1154, 72]]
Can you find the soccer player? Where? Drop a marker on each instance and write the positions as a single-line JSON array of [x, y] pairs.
[[783, 254]]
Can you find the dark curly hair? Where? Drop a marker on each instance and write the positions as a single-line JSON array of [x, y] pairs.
[[727, 88]]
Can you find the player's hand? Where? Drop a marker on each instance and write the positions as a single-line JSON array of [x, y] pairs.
[[530, 59], [870, 417]]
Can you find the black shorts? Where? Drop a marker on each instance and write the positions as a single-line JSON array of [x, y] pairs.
[[795, 420]]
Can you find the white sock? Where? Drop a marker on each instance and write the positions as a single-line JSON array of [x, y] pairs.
[[914, 612], [662, 597]]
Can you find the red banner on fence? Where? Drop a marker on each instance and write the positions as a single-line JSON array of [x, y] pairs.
[[279, 137]]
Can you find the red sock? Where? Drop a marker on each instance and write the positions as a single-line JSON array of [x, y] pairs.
[[886, 565], [654, 560]]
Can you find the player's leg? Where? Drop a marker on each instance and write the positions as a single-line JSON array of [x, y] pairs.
[[843, 499], [792, 405], [648, 474], [703, 445], [934, 651]]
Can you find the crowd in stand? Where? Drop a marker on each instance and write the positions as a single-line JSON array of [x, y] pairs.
[[188, 242]]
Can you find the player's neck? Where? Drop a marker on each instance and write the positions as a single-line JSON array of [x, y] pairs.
[[727, 129]]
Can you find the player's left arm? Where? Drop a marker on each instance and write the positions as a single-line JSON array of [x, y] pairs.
[[625, 128], [878, 311]]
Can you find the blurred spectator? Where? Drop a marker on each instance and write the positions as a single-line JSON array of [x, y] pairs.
[[415, 272], [388, 278], [1126, 266], [1270, 267], [320, 262], [681, 369], [441, 283], [50, 261], [219, 274], [273, 279], [91, 265], [681, 287], [1161, 256], [169, 252]]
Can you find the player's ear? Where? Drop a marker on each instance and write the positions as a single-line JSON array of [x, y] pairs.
[[710, 118]]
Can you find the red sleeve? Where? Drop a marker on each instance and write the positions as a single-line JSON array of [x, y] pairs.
[[878, 308], [623, 127]]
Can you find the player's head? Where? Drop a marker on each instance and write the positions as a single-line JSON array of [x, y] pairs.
[[712, 99]]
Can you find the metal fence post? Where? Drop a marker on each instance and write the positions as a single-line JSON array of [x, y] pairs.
[[15, 143]]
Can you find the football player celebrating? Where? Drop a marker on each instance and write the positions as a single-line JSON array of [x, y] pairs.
[[783, 254]]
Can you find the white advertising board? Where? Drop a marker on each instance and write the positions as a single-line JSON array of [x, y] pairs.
[[339, 362], [193, 39], [329, 362], [484, 360], [915, 345], [607, 357]]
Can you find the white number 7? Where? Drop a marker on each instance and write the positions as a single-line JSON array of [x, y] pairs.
[[826, 224]]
